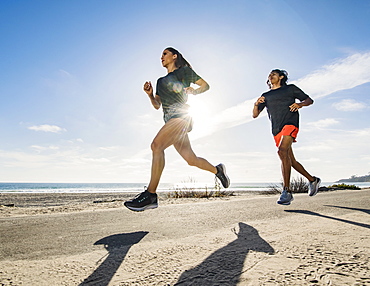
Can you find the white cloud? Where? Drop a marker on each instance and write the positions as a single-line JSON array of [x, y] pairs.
[[111, 148], [47, 128], [64, 73], [95, 160], [349, 105], [42, 148], [230, 117], [324, 123], [343, 74], [361, 133]]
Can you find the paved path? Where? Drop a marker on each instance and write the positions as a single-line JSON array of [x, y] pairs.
[[42, 236]]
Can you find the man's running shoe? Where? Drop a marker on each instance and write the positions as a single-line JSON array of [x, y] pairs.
[[221, 175], [313, 187], [286, 198], [143, 201]]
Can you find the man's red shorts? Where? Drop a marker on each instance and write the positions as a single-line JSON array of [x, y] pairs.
[[288, 130]]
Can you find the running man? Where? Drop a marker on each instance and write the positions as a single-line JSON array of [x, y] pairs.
[[172, 94], [282, 109]]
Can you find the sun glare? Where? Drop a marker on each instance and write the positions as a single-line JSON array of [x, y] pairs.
[[197, 109], [200, 114]]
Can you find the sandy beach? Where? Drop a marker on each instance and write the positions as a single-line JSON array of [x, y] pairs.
[[247, 239]]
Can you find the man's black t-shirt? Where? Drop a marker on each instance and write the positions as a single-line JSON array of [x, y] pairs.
[[277, 102], [170, 89]]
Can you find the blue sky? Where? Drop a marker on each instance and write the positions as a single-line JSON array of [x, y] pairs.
[[73, 109]]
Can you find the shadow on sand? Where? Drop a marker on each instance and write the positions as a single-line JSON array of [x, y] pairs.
[[329, 217], [225, 266], [367, 211], [117, 246]]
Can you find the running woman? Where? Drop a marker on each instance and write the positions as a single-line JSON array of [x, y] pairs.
[[172, 93], [282, 109]]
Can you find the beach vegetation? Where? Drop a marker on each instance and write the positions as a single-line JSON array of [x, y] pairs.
[[297, 185], [190, 189], [300, 185], [344, 187]]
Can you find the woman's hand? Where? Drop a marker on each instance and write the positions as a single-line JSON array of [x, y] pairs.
[[260, 100], [189, 90], [294, 107], [148, 88], [155, 100], [256, 110], [203, 86]]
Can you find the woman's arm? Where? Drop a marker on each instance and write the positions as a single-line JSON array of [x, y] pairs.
[[295, 106], [256, 110], [155, 100], [203, 86]]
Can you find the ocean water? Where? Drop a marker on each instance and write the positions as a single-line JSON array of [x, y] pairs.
[[111, 187], [130, 187]]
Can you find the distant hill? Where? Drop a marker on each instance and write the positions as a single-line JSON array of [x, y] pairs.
[[365, 178]]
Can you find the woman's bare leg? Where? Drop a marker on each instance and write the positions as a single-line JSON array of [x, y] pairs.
[[298, 166], [170, 133], [286, 163], [183, 147], [288, 160]]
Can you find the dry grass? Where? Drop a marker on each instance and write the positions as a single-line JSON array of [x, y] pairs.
[[199, 194], [297, 185], [192, 192]]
